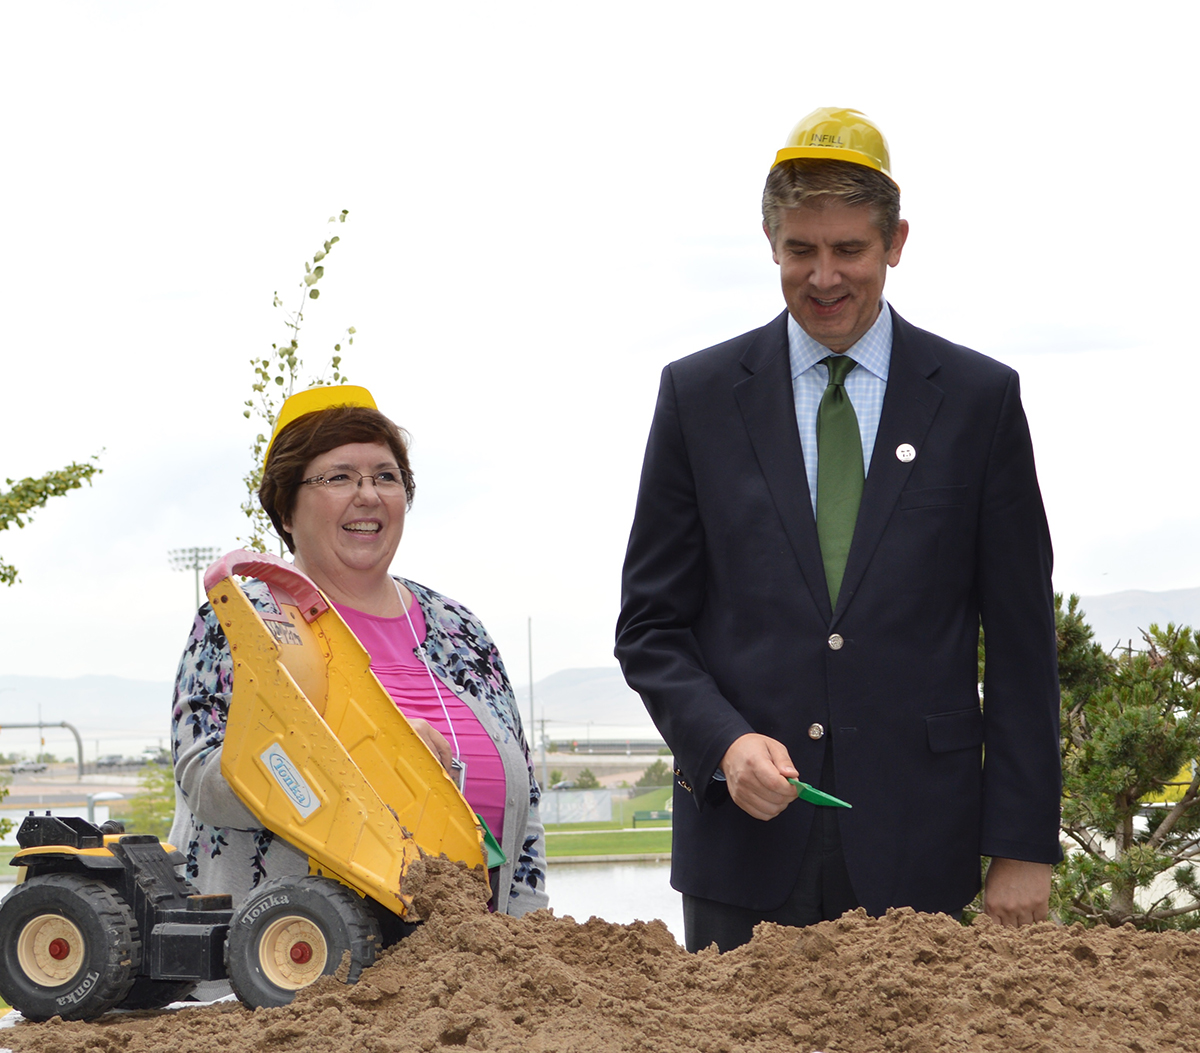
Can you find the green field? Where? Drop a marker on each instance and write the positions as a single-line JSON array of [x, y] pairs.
[[608, 843], [651, 801], [615, 838]]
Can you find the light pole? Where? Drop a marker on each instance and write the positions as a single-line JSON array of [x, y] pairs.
[[194, 558]]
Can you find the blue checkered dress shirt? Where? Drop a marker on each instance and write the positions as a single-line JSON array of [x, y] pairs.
[[865, 385]]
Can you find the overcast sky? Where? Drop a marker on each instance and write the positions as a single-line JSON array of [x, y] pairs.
[[549, 202]]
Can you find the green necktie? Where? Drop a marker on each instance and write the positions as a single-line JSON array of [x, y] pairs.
[[839, 473]]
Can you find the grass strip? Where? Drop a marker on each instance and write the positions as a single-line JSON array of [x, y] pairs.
[[609, 843]]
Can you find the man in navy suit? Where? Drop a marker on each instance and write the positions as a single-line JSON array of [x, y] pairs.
[[770, 639]]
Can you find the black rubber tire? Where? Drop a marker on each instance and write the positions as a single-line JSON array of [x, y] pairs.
[[147, 993], [69, 947], [392, 929], [293, 930]]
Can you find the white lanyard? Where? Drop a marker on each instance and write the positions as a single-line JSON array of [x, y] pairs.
[[422, 654]]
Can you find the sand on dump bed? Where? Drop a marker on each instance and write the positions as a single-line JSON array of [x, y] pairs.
[[907, 981]]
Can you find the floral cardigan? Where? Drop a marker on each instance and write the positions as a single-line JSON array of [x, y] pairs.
[[227, 850]]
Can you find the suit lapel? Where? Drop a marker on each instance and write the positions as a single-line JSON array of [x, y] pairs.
[[769, 412], [909, 406]]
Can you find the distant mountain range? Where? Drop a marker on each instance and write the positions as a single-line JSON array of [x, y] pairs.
[[579, 695], [597, 699], [93, 704], [1118, 617], [98, 705]]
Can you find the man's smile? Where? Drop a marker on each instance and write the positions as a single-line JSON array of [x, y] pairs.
[[823, 307]]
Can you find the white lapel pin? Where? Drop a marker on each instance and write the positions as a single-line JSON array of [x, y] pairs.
[[905, 453]]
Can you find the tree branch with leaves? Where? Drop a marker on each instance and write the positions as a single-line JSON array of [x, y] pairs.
[[27, 495], [275, 377]]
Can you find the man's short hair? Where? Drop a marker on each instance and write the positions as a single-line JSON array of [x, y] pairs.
[[806, 180]]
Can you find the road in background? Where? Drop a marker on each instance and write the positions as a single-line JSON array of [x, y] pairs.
[[60, 789]]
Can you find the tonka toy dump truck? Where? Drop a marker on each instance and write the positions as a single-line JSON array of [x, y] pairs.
[[319, 753]]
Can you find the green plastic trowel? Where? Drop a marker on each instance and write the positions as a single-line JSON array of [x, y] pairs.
[[815, 796]]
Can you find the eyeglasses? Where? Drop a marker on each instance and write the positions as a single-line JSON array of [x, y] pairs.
[[388, 483]]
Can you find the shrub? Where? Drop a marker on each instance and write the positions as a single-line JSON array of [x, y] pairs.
[[585, 780], [657, 774]]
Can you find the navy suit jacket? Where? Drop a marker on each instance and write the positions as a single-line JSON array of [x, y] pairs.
[[726, 626]]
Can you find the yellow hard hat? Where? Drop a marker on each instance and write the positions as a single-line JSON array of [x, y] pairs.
[[315, 399], [833, 134]]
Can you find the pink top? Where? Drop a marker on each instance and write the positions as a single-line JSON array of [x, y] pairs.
[[390, 643]]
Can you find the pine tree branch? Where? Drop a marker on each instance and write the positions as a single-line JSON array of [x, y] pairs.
[[1191, 851], [1173, 816], [1087, 842], [1088, 909], [1174, 912]]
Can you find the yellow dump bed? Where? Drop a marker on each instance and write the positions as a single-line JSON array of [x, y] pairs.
[[316, 748]]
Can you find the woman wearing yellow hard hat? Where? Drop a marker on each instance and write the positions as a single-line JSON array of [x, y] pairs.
[[337, 484]]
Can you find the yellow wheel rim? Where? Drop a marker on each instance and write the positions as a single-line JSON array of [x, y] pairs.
[[292, 952], [50, 949]]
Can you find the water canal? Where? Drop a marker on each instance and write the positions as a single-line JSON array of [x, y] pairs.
[[616, 892]]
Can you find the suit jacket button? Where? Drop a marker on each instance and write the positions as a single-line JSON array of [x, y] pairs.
[[816, 732], [836, 642]]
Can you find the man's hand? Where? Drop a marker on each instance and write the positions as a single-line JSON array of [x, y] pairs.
[[1016, 892], [757, 769]]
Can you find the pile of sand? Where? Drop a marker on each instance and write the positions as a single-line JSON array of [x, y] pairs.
[[908, 981]]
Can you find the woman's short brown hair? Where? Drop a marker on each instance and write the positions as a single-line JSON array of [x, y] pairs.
[[314, 434]]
